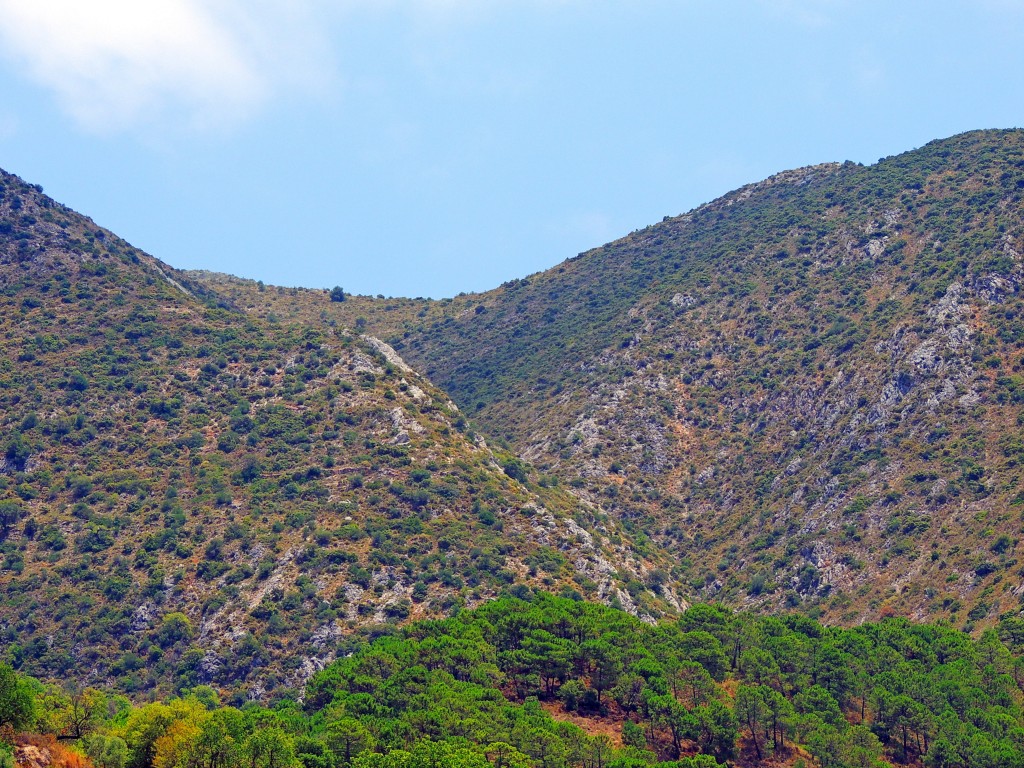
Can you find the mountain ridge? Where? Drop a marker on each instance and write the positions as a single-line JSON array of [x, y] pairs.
[[805, 390], [192, 495]]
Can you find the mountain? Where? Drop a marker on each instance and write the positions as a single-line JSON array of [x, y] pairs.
[[192, 494], [807, 392]]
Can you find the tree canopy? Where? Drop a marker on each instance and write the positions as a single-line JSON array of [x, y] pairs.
[[535, 683]]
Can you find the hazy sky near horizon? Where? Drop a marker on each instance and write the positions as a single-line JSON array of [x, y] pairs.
[[429, 147]]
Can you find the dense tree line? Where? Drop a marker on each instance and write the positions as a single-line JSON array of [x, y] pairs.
[[498, 686]]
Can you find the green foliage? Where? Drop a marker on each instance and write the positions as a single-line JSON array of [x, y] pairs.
[[174, 628], [490, 687], [17, 451], [10, 513], [557, 650], [106, 751], [515, 469], [17, 700]]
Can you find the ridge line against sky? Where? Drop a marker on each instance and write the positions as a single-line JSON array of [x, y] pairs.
[[428, 147]]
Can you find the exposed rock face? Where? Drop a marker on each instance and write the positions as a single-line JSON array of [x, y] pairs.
[[144, 617], [388, 353], [31, 756]]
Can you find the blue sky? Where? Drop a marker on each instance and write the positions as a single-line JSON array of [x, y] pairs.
[[429, 147]]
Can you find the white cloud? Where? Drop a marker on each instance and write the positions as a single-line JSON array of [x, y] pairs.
[[140, 65], [120, 64]]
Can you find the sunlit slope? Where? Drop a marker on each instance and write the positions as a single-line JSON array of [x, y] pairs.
[[808, 391], [193, 495]]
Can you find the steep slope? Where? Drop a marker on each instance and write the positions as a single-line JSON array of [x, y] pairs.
[[809, 390], [191, 495]]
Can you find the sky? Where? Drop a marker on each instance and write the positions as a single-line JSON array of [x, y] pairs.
[[431, 147]]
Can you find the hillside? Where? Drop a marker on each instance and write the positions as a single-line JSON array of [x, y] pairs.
[[808, 392], [569, 684], [192, 495]]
